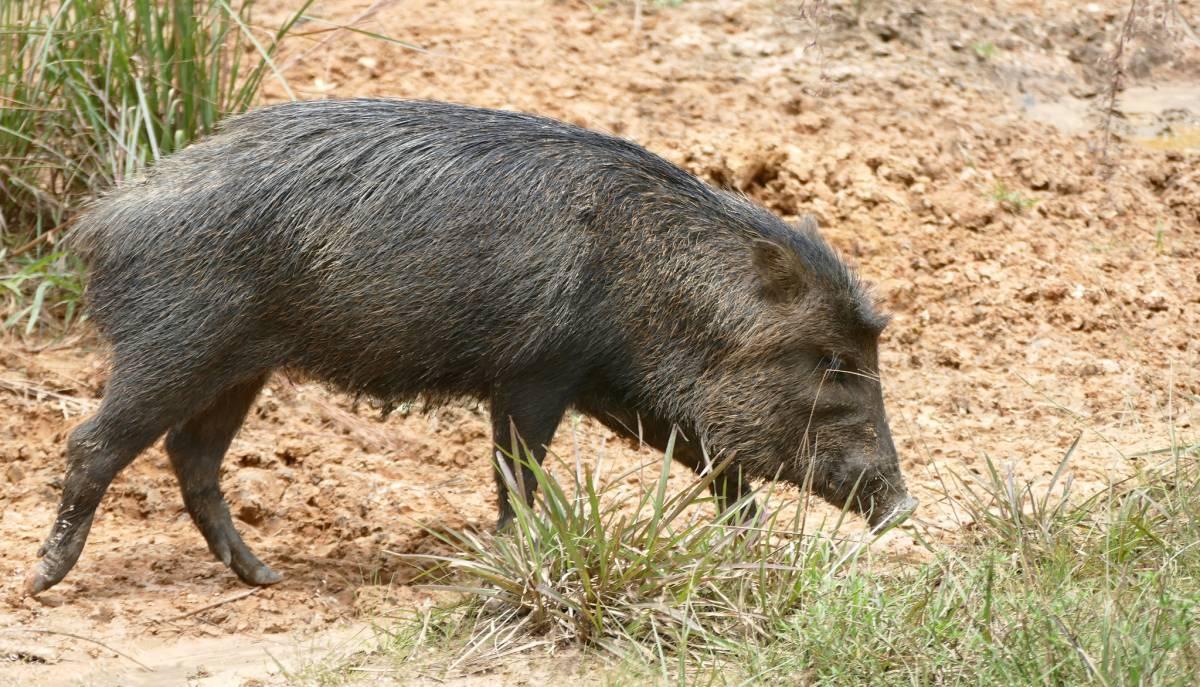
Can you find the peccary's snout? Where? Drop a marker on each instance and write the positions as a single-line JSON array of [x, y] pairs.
[[870, 485], [885, 513], [885, 501], [881, 496]]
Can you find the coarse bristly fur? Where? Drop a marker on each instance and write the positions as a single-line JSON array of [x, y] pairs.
[[399, 249]]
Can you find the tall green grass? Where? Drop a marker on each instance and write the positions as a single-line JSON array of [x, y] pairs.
[[91, 91], [1042, 586]]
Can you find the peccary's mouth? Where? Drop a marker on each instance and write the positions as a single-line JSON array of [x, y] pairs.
[[887, 517]]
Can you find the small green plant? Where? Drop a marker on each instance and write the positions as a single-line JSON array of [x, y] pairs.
[[1012, 200], [984, 50], [1160, 237]]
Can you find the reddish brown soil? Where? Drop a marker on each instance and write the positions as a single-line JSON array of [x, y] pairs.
[[1038, 294]]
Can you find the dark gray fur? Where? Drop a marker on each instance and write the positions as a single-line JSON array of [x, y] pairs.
[[404, 249]]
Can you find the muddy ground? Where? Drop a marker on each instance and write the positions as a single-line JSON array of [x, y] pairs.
[[950, 150]]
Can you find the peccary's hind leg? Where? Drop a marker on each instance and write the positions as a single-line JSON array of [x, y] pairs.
[[135, 412], [196, 448]]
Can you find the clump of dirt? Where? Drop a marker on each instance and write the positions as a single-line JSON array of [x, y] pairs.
[[1038, 294]]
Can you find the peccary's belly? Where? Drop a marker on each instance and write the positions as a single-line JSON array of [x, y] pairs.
[[453, 343]]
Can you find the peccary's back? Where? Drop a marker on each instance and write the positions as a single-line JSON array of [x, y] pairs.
[[387, 243]]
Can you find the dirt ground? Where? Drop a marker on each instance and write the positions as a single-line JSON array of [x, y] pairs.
[[950, 150]]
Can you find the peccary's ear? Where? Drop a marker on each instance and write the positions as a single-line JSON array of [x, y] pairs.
[[779, 269]]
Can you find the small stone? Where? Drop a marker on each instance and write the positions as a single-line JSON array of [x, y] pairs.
[[810, 122], [974, 217], [885, 32], [949, 357], [255, 495], [51, 600], [842, 73], [1155, 301]]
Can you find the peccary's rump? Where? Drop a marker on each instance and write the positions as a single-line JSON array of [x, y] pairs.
[[400, 249]]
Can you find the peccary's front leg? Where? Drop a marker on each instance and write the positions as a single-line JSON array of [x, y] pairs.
[[533, 407], [728, 488]]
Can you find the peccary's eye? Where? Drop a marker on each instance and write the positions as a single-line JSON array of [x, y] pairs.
[[830, 363], [833, 367]]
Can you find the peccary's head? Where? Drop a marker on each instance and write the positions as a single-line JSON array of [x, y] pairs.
[[799, 398]]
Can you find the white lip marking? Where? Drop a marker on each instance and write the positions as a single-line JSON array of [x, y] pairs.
[[899, 513]]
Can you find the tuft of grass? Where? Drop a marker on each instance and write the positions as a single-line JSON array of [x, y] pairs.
[[1160, 238], [91, 91], [649, 571], [1012, 200], [984, 50]]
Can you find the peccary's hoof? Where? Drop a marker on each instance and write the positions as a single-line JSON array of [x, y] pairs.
[[262, 576], [248, 567], [36, 582]]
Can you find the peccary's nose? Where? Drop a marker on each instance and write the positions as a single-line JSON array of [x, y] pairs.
[[887, 515]]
